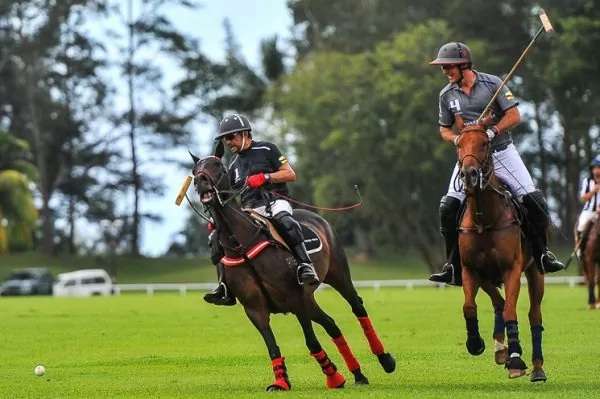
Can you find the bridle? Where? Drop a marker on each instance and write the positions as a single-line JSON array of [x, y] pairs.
[[486, 167], [237, 246], [485, 172]]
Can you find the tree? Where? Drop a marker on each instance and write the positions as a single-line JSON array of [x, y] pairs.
[[17, 211]]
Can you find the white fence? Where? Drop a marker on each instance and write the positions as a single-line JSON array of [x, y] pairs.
[[183, 288]]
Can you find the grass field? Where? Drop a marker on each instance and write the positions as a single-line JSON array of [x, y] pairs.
[[177, 346]]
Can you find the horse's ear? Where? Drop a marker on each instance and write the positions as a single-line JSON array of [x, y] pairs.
[[194, 158], [219, 150]]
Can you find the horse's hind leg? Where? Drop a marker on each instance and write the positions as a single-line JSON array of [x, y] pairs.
[[535, 282], [260, 319], [500, 348], [318, 315], [339, 278], [333, 378], [475, 344]]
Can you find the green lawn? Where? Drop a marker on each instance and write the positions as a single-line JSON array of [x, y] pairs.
[[177, 346]]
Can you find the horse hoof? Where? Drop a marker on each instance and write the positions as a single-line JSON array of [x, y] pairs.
[[500, 356], [516, 367], [475, 345], [538, 375], [387, 361], [275, 388], [359, 378]]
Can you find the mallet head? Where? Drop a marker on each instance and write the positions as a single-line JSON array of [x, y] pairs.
[[545, 21]]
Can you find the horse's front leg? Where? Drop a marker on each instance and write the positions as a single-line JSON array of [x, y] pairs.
[[500, 348], [535, 285], [512, 284], [475, 344], [333, 378], [260, 318]]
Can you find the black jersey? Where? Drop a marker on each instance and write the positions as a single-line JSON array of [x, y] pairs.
[[260, 157]]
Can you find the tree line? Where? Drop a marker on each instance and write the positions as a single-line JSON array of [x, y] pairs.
[[349, 96]]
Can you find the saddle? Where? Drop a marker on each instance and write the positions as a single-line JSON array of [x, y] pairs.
[[311, 239]]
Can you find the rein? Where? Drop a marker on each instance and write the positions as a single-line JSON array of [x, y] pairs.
[[486, 183]]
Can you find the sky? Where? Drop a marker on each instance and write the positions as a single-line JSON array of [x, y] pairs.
[[252, 21]]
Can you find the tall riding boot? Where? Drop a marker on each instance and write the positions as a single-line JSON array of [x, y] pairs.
[[538, 221], [292, 234], [451, 270], [220, 295]]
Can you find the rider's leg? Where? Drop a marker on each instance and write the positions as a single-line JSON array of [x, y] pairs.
[[581, 232], [291, 232], [220, 295], [451, 271], [449, 208], [509, 167], [538, 222]]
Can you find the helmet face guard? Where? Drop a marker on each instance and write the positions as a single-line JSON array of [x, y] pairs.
[[233, 124], [453, 53]]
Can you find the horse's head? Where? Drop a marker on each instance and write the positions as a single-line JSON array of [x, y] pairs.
[[474, 158], [211, 180]]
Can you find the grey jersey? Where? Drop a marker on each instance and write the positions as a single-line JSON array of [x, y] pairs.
[[454, 101]]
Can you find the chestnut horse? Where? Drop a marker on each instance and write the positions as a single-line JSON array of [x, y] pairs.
[[265, 282], [591, 262], [494, 252]]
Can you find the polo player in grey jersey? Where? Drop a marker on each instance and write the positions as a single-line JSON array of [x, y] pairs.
[[461, 102]]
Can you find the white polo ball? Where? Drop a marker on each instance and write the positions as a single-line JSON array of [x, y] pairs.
[[39, 370]]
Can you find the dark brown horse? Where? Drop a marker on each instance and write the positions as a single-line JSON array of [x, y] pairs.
[[267, 284], [591, 263], [493, 252]]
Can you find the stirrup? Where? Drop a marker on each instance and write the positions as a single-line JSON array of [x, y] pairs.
[[306, 274]]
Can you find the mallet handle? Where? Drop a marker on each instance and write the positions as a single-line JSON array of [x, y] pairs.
[[510, 73]]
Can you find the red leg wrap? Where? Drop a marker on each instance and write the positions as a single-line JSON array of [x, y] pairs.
[[280, 371], [334, 378], [369, 330], [346, 353]]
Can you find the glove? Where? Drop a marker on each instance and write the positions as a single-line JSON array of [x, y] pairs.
[[257, 180], [491, 132]]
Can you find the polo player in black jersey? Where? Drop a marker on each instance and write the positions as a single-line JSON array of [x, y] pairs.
[[265, 171]]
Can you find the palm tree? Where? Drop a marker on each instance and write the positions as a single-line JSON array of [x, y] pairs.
[[17, 210]]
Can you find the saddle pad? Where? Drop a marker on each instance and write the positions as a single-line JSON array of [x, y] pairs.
[[311, 240]]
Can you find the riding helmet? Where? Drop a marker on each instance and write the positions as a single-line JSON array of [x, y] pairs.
[[595, 162], [233, 124], [453, 53]]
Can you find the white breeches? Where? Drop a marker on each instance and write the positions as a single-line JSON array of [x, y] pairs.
[[277, 206], [584, 218], [508, 167]]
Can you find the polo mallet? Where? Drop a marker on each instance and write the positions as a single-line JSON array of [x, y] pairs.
[[183, 190], [546, 26]]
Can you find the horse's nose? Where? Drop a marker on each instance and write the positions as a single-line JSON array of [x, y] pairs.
[[469, 174]]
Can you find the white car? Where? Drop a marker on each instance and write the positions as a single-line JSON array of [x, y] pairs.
[[87, 282]]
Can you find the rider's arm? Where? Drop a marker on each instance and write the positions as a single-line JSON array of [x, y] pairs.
[[590, 194], [285, 174], [448, 134], [511, 118]]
